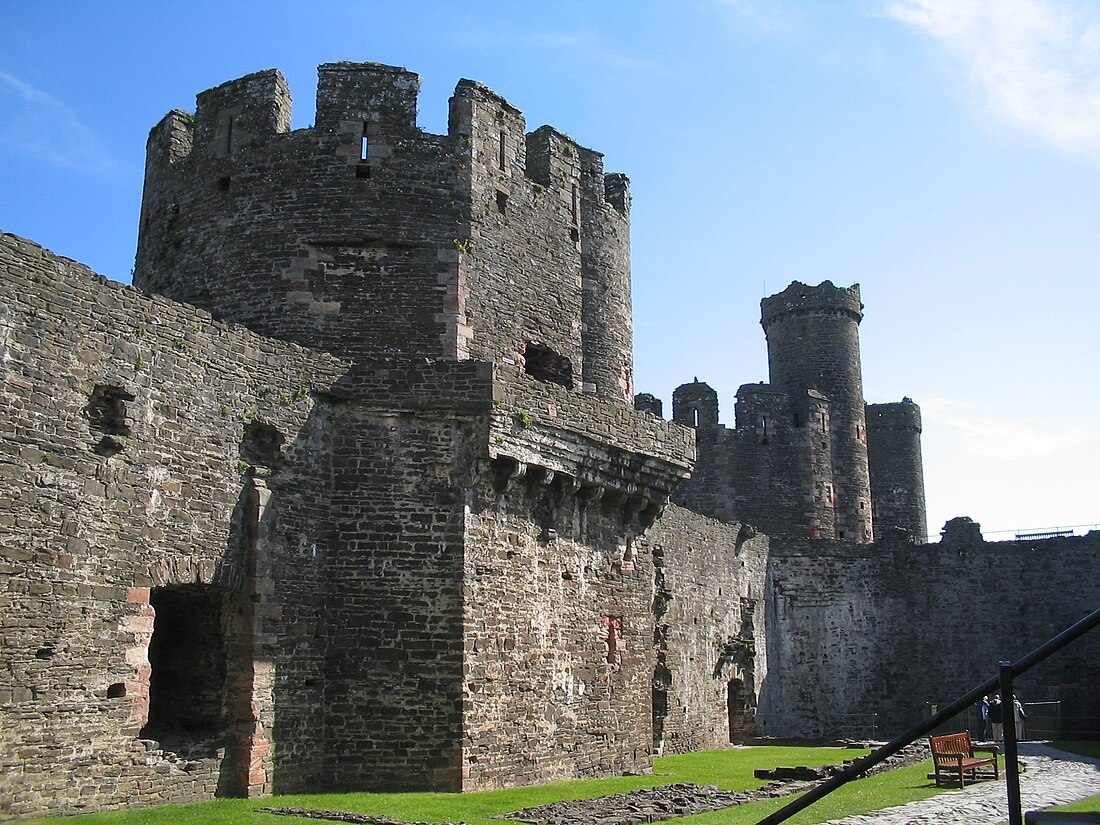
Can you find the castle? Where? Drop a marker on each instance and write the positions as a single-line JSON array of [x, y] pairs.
[[351, 491]]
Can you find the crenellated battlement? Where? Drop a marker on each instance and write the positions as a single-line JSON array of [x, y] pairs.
[[369, 238], [807, 456], [899, 415], [801, 299]]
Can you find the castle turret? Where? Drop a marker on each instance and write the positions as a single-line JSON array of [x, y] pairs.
[[813, 344], [897, 472], [605, 279], [371, 239], [695, 404]]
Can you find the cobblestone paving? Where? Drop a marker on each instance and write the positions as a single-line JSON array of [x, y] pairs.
[[1053, 777]]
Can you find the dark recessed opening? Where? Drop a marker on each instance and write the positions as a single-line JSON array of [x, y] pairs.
[[543, 363], [187, 663], [262, 444], [107, 411], [223, 184], [502, 202], [116, 691], [44, 653], [362, 170], [574, 235]]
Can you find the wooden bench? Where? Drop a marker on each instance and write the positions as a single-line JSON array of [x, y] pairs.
[[955, 761]]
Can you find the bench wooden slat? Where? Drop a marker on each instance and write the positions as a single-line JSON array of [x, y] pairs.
[[955, 759]]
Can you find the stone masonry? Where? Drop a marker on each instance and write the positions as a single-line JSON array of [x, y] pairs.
[[348, 493]]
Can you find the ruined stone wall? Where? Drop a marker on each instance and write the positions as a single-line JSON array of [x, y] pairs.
[[708, 607], [558, 589], [406, 447], [134, 431], [860, 630]]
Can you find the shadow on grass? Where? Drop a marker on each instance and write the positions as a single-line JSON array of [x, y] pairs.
[[729, 769]]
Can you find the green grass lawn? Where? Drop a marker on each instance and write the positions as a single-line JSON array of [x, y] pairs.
[[730, 769]]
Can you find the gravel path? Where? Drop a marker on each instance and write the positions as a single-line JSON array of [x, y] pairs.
[[1053, 777]]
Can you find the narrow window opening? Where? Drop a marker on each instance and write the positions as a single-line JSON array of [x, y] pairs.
[[229, 135], [541, 362], [797, 421], [695, 418], [502, 202], [187, 665], [224, 184], [362, 168], [501, 152], [575, 210], [574, 235]]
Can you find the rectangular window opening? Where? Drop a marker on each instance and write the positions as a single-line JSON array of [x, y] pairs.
[[501, 153]]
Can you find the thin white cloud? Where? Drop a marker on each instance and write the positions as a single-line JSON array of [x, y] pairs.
[[991, 436], [765, 16], [34, 123], [1035, 62]]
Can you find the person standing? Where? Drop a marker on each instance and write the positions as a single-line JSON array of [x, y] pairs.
[[982, 709], [1019, 714], [996, 718]]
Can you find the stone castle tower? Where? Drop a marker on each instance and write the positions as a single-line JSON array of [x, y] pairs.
[[368, 238], [351, 496], [807, 456]]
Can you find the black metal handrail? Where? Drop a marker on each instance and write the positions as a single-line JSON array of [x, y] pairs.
[[1003, 681]]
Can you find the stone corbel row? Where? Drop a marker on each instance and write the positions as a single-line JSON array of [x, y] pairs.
[[638, 508]]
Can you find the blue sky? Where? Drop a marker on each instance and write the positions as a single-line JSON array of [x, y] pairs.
[[944, 154]]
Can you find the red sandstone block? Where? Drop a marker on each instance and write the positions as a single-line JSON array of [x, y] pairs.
[[137, 595]]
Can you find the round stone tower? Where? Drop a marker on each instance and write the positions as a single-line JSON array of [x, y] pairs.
[[813, 344], [368, 238], [897, 473]]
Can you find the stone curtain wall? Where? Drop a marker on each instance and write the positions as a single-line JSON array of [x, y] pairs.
[[859, 630], [558, 637], [557, 599], [122, 471], [708, 607], [406, 450]]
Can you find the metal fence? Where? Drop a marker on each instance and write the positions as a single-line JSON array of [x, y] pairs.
[[1043, 721]]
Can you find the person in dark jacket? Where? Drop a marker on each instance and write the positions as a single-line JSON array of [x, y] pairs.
[[996, 718]]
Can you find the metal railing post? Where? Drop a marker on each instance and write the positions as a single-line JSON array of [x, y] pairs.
[[860, 766], [1008, 729]]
